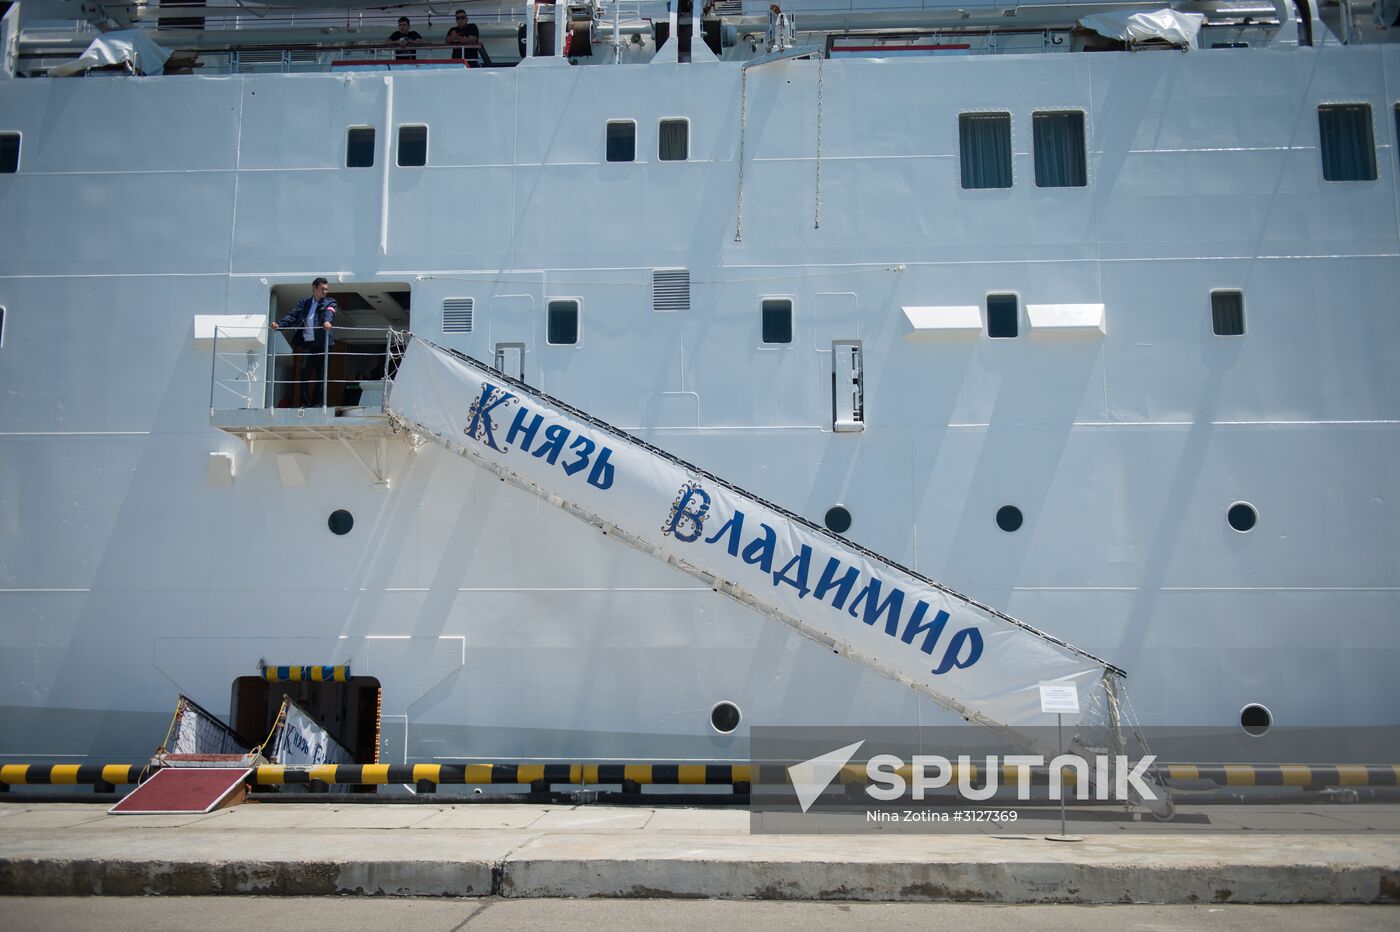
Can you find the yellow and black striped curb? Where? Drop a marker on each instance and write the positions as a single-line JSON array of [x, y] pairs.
[[69, 774], [1297, 775]]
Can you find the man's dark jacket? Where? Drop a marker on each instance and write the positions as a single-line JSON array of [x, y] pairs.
[[295, 322]]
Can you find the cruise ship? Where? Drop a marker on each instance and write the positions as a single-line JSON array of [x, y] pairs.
[[1083, 310]]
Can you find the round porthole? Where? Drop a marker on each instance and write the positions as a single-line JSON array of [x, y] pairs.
[[1242, 516], [838, 519], [1009, 518], [340, 521], [724, 717], [1255, 720]]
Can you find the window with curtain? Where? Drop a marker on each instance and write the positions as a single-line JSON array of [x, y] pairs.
[[984, 144], [1227, 313], [1059, 149], [674, 143], [1348, 145]]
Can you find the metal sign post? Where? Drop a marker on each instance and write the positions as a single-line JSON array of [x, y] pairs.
[[1060, 698]]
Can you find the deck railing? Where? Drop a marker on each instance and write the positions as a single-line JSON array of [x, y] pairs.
[[259, 368]]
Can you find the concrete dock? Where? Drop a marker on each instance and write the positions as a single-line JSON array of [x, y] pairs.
[[1346, 854]]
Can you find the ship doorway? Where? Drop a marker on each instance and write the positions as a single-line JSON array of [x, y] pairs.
[[361, 352], [349, 711]]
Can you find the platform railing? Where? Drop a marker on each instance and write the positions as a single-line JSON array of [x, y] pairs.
[[250, 368]]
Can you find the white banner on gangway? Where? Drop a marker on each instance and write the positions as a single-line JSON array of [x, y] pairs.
[[984, 665]]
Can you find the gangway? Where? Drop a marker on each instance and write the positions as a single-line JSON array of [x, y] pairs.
[[971, 659]]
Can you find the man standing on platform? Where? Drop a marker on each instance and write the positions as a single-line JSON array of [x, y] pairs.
[[310, 336]]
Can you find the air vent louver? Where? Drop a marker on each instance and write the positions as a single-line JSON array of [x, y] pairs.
[[670, 290], [457, 315]]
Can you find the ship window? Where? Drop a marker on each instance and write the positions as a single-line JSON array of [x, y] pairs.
[[2, 328], [1059, 149], [1242, 516], [777, 320], [1255, 719], [674, 141], [1009, 518], [359, 147], [457, 314], [413, 146], [724, 717], [837, 519], [1348, 146], [622, 141], [340, 522], [984, 141], [562, 323], [1002, 316], [1227, 313], [9, 153]]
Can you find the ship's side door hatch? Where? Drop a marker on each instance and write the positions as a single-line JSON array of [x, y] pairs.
[[847, 386], [510, 359]]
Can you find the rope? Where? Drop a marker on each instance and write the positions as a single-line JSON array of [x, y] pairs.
[[743, 131], [821, 84]]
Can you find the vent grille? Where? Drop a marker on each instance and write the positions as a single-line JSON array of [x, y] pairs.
[[457, 314], [670, 290]]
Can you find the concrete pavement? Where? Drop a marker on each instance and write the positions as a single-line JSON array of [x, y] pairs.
[[524, 850]]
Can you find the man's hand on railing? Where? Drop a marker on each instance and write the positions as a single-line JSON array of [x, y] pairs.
[[274, 325], [326, 325]]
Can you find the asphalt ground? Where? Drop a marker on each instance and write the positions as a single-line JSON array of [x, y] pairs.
[[237, 914]]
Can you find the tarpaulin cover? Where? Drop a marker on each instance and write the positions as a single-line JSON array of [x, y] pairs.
[[115, 48], [1181, 29], [973, 660]]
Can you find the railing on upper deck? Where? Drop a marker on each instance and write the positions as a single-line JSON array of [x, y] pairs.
[[256, 369]]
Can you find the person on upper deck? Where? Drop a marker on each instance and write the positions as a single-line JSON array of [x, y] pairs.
[[310, 321], [405, 36], [467, 37]]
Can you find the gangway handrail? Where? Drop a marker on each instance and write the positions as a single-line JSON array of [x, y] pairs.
[[621, 434]]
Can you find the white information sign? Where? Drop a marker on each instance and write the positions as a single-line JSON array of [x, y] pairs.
[[1059, 697]]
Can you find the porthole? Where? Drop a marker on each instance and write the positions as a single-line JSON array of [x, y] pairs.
[[1009, 518], [1255, 720], [340, 521], [838, 519], [724, 717], [1242, 516]]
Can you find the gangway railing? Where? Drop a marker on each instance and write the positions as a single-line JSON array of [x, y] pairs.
[[254, 368], [968, 657]]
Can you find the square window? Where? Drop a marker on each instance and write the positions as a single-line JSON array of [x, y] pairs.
[[984, 143], [1059, 149], [777, 320], [674, 141], [9, 153], [413, 146], [359, 147], [1227, 313], [1347, 142], [1002, 316], [562, 324], [622, 141]]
